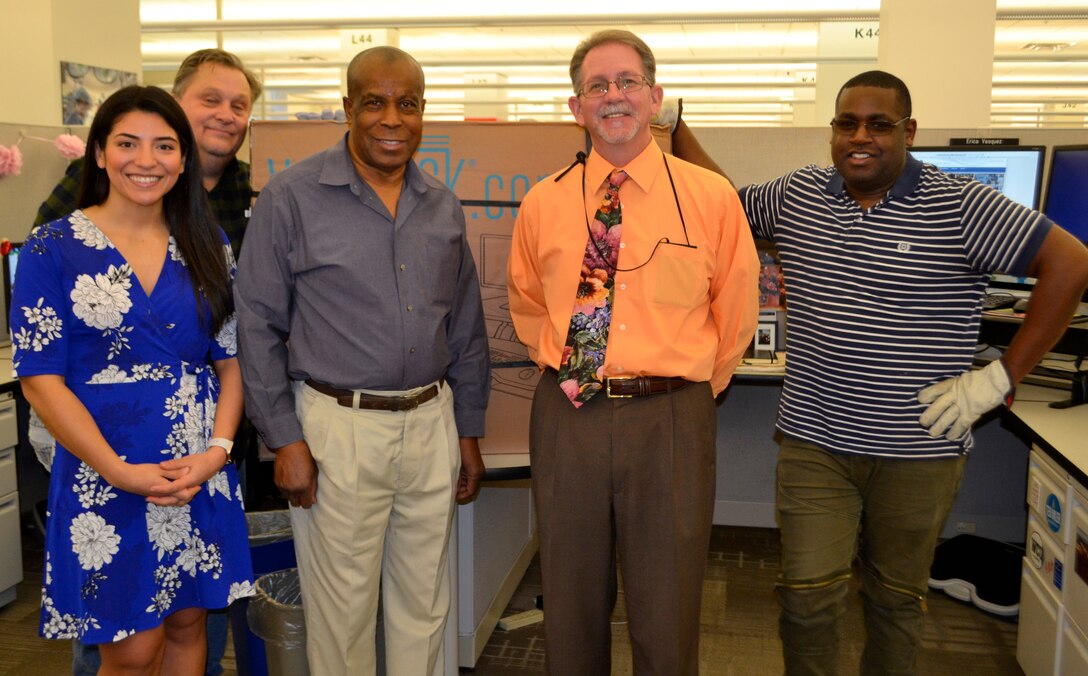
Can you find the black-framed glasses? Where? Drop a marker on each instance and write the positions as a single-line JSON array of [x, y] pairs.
[[626, 85], [845, 125]]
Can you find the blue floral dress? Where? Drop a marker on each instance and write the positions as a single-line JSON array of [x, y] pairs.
[[116, 564]]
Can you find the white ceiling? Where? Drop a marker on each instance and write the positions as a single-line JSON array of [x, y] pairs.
[[734, 66]]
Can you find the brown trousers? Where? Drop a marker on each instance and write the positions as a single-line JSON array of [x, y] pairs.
[[633, 478]]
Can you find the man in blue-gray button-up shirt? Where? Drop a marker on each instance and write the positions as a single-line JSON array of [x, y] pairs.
[[365, 361]]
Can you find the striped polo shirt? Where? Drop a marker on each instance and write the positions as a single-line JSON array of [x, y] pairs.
[[886, 301]]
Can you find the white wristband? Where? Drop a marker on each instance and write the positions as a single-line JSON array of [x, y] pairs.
[[225, 444]]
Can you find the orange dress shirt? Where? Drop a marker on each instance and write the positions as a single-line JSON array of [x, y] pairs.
[[689, 312]]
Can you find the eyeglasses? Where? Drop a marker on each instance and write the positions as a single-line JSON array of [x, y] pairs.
[[873, 127], [626, 85]]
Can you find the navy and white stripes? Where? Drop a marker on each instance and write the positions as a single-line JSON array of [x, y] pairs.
[[884, 302]]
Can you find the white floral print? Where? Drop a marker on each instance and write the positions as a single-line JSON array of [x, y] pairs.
[[189, 558], [63, 625], [115, 374], [93, 540], [90, 490], [240, 590], [102, 301], [175, 252], [167, 585], [219, 484], [123, 634], [167, 527], [88, 233], [47, 328], [228, 335]]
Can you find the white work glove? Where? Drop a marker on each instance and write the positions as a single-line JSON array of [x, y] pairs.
[[956, 403]]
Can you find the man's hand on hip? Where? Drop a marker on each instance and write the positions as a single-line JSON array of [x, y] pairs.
[[955, 404], [296, 474]]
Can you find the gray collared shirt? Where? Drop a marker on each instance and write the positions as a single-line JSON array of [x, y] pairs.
[[331, 287]]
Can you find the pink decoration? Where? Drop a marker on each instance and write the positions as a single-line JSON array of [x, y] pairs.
[[70, 147], [11, 161]]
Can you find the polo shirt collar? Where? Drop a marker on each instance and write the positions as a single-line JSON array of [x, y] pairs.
[[906, 184], [643, 170]]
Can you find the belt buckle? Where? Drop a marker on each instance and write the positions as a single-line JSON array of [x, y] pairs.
[[405, 402], [608, 387]]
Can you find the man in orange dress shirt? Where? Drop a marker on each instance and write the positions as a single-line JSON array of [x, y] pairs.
[[630, 471]]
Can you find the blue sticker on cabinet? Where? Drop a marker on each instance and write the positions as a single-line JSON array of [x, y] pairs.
[[1053, 513]]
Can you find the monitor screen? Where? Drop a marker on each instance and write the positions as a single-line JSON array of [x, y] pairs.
[[10, 262], [1067, 190], [1015, 171]]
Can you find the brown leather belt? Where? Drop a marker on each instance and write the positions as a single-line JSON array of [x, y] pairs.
[[625, 387], [641, 386], [376, 402]]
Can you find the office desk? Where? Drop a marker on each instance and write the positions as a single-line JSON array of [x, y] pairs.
[[990, 501], [1061, 433]]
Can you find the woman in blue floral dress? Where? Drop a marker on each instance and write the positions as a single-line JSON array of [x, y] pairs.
[[124, 343]]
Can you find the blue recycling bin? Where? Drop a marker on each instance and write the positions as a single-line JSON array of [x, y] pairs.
[[272, 548]]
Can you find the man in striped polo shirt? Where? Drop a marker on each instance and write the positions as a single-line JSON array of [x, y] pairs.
[[886, 261]]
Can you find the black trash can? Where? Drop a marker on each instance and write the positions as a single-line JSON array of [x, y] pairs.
[[275, 615]]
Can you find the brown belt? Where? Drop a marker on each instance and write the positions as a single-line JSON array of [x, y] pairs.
[[376, 402], [624, 387]]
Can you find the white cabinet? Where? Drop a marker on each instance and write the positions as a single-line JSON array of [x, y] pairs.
[[11, 547], [1051, 638]]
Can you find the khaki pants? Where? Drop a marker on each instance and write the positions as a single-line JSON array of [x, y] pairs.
[[385, 502]]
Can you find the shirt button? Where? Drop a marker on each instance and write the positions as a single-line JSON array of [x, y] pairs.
[[623, 245], [623, 327], [403, 266], [623, 287], [412, 350], [409, 308]]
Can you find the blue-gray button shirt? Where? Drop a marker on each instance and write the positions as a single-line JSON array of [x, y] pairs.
[[331, 287]]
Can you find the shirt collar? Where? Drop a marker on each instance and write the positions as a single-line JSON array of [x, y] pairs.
[[906, 184], [643, 170], [339, 169]]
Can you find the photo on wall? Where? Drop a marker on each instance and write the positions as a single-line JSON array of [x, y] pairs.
[[83, 88]]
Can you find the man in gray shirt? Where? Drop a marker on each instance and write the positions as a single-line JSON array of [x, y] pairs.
[[366, 369]]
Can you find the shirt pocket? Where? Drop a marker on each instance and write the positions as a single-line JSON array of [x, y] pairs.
[[680, 277]]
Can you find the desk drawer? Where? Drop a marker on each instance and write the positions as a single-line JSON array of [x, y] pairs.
[[1045, 557], [11, 550], [1076, 591], [1074, 651], [9, 427], [1048, 498], [9, 482], [1037, 634]]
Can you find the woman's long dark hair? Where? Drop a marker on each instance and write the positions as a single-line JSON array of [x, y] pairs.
[[188, 214]]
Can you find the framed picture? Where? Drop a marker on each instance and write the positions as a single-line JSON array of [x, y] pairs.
[[765, 340], [83, 88]]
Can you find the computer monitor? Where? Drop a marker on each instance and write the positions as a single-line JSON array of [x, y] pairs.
[[1014, 171], [1067, 190], [10, 262]]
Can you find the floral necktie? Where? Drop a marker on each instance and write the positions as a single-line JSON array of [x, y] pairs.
[[580, 372]]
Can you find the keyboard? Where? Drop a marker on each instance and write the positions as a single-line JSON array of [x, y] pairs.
[[998, 301]]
